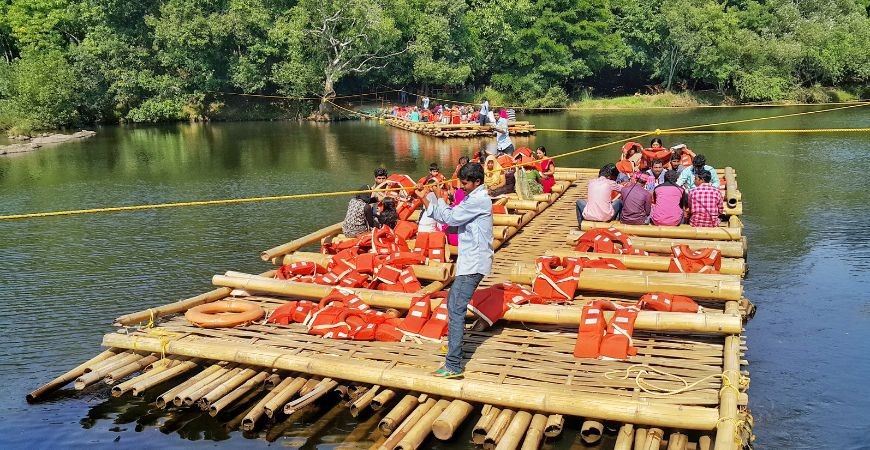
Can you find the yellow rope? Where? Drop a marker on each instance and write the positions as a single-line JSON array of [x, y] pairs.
[[785, 131], [354, 192]]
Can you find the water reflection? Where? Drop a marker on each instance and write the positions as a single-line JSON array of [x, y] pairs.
[[65, 278]]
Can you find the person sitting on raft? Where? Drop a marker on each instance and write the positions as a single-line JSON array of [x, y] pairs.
[[636, 204], [705, 201], [548, 169], [675, 164], [388, 216], [414, 116], [474, 218], [656, 175], [380, 176], [687, 176], [684, 156], [527, 179], [598, 206], [498, 181], [669, 201], [360, 217]]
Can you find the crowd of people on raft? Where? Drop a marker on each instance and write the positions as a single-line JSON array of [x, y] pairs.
[[506, 172], [655, 185], [453, 114]]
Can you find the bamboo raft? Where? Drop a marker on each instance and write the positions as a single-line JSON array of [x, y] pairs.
[[684, 389], [463, 130]]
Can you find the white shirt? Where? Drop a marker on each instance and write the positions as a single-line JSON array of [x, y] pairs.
[[473, 216]]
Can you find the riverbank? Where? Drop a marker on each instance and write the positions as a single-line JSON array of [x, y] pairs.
[[32, 143]]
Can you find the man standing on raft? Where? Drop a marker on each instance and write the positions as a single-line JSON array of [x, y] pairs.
[[473, 217]]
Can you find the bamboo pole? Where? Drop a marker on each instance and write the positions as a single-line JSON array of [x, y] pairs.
[[234, 423], [705, 443], [678, 441], [591, 431], [515, 431], [726, 430], [524, 205], [446, 424], [322, 389], [708, 286], [510, 220], [96, 375], [496, 431], [653, 439], [640, 438], [309, 386], [679, 231], [164, 375], [178, 400], [499, 232], [383, 397], [535, 433], [272, 381], [483, 425], [251, 384], [625, 437], [731, 187], [408, 423], [553, 400], [249, 421], [167, 397], [549, 314], [283, 393], [296, 244], [194, 396], [172, 308], [363, 402], [398, 414], [432, 271], [730, 266], [561, 186], [136, 366], [225, 388], [70, 375], [554, 426], [565, 176], [418, 433], [107, 362], [731, 249]]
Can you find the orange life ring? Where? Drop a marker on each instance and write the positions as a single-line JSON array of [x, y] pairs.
[[224, 314]]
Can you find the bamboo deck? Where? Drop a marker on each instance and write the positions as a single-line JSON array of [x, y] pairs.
[[521, 378], [464, 130]]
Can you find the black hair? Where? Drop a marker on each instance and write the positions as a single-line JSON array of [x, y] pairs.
[[364, 196], [433, 166], [463, 158], [676, 156], [656, 141], [389, 204], [657, 161], [542, 149], [471, 172], [609, 171], [671, 176], [699, 161], [704, 175], [380, 172]]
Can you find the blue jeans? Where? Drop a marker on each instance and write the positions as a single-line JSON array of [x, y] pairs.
[[457, 303], [581, 205]]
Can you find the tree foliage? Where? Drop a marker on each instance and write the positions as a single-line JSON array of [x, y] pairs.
[[64, 62]]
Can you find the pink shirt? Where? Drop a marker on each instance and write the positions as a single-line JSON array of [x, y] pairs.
[[668, 209], [598, 199]]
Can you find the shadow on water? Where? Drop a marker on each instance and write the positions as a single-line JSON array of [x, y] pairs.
[[66, 278]]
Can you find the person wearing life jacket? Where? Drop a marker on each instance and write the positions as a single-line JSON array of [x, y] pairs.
[[474, 218], [498, 180], [598, 205], [684, 156], [655, 152]]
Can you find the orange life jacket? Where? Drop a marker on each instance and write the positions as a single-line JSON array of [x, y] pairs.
[[436, 327], [406, 281], [660, 301], [686, 260], [657, 154], [603, 240], [617, 343], [553, 284], [401, 260], [288, 271], [591, 331], [499, 209], [385, 242], [407, 207], [417, 316], [366, 263], [432, 245], [490, 304], [283, 314], [630, 149]]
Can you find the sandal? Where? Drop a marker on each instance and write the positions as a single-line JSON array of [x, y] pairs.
[[443, 372]]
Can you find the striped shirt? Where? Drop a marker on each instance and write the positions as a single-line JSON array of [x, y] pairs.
[[705, 202]]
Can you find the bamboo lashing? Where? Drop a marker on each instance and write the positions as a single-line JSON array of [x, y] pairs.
[[535, 433], [450, 419], [557, 401], [70, 375], [549, 314], [678, 232], [296, 244], [707, 286], [730, 266], [515, 431], [432, 271], [730, 249]]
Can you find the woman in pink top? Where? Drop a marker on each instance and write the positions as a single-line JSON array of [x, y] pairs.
[[669, 200]]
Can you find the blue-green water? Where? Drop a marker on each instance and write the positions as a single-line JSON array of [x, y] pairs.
[[65, 278]]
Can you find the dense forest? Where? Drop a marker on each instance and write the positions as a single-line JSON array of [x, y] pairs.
[[68, 62]]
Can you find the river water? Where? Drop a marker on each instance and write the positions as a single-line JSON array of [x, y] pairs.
[[65, 278]]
